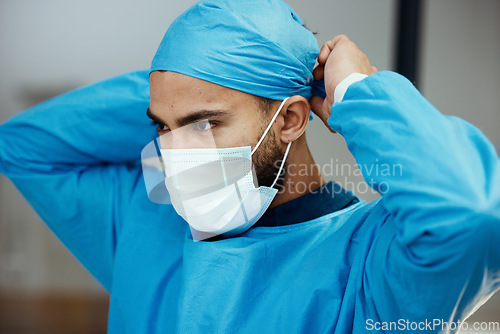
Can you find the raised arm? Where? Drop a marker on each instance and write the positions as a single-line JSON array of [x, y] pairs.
[[437, 255], [76, 159]]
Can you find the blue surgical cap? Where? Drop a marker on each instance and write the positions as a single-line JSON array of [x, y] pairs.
[[258, 47]]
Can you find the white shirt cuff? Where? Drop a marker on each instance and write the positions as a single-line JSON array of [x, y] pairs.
[[342, 87]]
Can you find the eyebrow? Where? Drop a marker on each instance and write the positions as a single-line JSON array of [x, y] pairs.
[[192, 117], [153, 117]]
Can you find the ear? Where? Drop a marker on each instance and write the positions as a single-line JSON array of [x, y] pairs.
[[295, 114]]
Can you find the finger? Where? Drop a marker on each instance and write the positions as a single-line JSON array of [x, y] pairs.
[[325, 121], [338, 39], [320, 107], [329, 46], [324, 53], [374, 70], [326, 115], [319, 72], [317, 105]]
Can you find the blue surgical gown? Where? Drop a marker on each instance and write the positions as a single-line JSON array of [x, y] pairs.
[[428, 249]]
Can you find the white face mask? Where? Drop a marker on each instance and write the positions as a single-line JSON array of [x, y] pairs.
[[214, 189]]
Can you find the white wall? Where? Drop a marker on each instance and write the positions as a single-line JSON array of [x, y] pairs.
[[53, 45], [461, 70]]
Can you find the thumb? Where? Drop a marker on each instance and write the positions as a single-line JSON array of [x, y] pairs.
[[317, 105], [320, 107]]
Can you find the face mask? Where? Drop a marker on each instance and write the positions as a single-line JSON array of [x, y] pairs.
[[214, 189]]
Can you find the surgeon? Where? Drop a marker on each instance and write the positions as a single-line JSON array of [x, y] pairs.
[[227, 241]]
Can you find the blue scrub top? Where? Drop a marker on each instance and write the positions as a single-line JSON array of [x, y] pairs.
[[427, 251], [321, 201]]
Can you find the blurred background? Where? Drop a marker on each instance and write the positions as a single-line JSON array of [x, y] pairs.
[[51, 46]]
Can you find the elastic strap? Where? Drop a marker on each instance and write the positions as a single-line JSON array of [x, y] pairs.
[[268, 127], [282, 164]]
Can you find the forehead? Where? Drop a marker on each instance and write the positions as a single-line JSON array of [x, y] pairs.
[[175, 92]]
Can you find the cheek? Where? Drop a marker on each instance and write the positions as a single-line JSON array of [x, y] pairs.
[[244, 132]]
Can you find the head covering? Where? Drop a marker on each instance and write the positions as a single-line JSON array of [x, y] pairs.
[[255, 46]]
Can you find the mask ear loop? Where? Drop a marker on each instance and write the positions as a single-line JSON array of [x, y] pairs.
[[268, 127], [282, 164]]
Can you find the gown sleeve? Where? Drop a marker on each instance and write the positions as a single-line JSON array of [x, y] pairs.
[[76, 159], [437, 255]]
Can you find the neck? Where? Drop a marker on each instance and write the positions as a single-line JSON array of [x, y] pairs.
[[302, 174]]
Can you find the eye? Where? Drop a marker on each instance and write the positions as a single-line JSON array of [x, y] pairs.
[[161, 128], [203, 125]]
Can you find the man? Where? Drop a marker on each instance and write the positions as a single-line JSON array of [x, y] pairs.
[[313, 261]]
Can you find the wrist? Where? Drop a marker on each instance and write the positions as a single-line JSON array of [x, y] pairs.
[[342, 87]]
